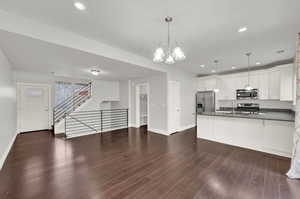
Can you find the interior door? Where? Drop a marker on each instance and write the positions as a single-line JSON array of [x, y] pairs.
[[174, 106], [33, 107]]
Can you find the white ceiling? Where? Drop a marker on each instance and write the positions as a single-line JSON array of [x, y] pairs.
[[32, 55], [206, 29]]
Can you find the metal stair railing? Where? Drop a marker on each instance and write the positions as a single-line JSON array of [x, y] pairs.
[[98, 121], [71, 103]]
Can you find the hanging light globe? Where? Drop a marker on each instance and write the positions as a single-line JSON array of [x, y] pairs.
[[170, 60], [178, 54], [158, 55], [159, 52]]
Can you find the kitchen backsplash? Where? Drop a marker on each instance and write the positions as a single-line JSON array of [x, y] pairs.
[[271, 104]]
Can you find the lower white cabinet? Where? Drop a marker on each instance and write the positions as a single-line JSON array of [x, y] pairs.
[[278, 136], [274, 137]]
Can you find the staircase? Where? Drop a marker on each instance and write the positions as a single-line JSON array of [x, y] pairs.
[[73, 102]]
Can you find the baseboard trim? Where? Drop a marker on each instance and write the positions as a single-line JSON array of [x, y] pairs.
[[159, 131], [6, 152], [187, 127], [183, 129]]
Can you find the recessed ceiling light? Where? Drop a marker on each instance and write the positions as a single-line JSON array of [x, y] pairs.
[[79, 5], [95, 72], [243, 29], [202, 65], [233, 67], [258, 63], [213, 71]]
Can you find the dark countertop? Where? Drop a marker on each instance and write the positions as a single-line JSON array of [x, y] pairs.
[[272, 115]]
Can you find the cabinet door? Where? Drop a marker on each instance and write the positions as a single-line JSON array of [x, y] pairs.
[[286, 83], [201, 85], [274, 84], [278, 137], [205, 127], [210, 84], [264, 86], [229, 90], [255, 80]]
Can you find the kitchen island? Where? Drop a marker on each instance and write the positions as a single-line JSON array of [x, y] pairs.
[[270, 132]]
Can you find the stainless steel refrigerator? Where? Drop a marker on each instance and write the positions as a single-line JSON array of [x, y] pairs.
[[205, 101]]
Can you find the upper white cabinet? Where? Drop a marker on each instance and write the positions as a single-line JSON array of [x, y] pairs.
[[277, 83], [208, 83], [274, 84], [286, 82]]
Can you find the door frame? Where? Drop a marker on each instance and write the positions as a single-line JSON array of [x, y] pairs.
[[137, 103], [18, 95]]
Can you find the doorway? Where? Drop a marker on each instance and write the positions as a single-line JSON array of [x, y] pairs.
[[33, 107], [142, 105]]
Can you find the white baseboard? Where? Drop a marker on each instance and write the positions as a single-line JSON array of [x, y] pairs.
[[183, 128], [187, 127], [133, 125], [159, 131], [6, 152]]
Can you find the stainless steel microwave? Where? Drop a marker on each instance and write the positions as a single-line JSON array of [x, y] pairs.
[[246, 94]]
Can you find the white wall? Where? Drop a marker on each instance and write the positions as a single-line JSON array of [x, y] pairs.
[[157, 102], [188, 89], [158, 95], [123, 96], [7, 107]]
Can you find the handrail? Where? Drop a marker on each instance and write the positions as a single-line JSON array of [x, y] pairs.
[[82, 123], [71, 103], [96, 120], [72, 96]]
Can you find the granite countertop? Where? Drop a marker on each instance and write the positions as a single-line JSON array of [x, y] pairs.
[[264, 115]]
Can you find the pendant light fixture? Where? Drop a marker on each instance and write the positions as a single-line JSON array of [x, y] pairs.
[[216, 90], [248, 87], [171, 55]]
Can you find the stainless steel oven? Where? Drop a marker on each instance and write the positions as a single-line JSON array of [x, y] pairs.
[[247, 94]]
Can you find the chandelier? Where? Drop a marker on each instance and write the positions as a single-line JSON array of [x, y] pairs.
[[170, 55]]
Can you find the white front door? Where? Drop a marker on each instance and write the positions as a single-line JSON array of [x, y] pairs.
[[174, 106], [33, 107]]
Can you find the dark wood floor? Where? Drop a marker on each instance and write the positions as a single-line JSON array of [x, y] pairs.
[[134, 164]]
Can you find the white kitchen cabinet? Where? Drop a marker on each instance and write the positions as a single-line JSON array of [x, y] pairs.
[[211, 83], [278, 136], [227, 91], [263, 85], [255, 80], [286, 82], [274, 84], [275, 137], [277, 83], [201, 84], [207, 83], [205, 127], [260, 81]]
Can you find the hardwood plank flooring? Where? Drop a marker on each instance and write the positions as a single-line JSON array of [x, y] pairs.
[[136, 164]]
